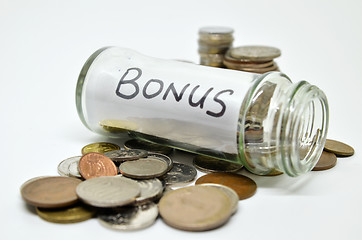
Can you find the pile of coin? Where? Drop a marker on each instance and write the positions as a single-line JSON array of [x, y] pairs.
[[213, 44], [256, 59], [126, 189]]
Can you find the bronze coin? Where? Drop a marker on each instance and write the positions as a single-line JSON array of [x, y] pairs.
[[96, 165], [242, 185], [338, 148], [326, 161], [99, 147], [50, 192], [72, 214]]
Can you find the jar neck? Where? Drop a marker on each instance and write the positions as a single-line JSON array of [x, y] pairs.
[[285, 126], [303, 128]]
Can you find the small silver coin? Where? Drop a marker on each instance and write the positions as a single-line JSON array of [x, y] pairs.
[[151, 189], [147, 146], [129, 217], [255, 53], [233, 196], [109, 191], [180, 173], [126, 155], [69, 167], [162, 157], [144, 168]]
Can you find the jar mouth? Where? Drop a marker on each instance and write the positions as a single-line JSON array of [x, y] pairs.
[[303, 128]]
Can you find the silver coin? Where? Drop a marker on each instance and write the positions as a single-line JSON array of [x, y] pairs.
[[255, 53], [144, 168], [209, 164], [232, 195], [110, 191], [129, 217], [69, 167], [126, 154], [162, 157], [216, 30], [151, 189], [180, 173]]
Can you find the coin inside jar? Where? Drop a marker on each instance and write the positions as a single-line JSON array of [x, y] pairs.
[[96, 165], [196, 208], [144, 168], [108, 191], [50, 192]]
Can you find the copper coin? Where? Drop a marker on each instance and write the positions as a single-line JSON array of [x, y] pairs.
[[242, 185], [50, 192], [338, 148], [196, 208], [96, 165], [326, 161]]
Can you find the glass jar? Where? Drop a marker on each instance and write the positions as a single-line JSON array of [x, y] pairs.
[[262, 121]]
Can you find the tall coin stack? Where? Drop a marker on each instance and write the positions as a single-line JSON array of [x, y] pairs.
[[213, 44], [256, 59]]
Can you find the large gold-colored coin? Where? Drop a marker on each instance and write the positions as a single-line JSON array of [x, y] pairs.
[[100, 147], [73, 214], [118, 126], [338, 148]]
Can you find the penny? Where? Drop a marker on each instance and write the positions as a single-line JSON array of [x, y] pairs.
[[209, 164], [233, 196], [150, 147], [242, 185], [96, 165], [195, 208], [151, 189], [69, 167], [180, 173], [129, 217], [50, 192], [326, 161], [100, 147], [108, 191], [162, 157], [126, 155], [338, 148], [144, 168], [255, 53], [72, 214]]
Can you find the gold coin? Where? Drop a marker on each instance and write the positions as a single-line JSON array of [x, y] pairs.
[[118, 126], [338, 148], [73, 214], [326, 161], [100, 147], [196, 208]]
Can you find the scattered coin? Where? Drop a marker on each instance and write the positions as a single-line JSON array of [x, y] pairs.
[[126, 155], [100, 147], [196, 208], [96, 165], [129, 217], [150, 147], [69, 167], [338, 148], [151, 189], [162, 157], [209, 164], [108, 191], [50, 192], [242, 185], [233, 196], [71, 214], [144, 168], [180, 173], [255, 53], [326, 161]]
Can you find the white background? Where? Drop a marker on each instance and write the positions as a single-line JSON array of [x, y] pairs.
[[43, 45]]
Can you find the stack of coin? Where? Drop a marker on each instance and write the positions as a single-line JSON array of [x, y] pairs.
[[213, 44], [256, 59]]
